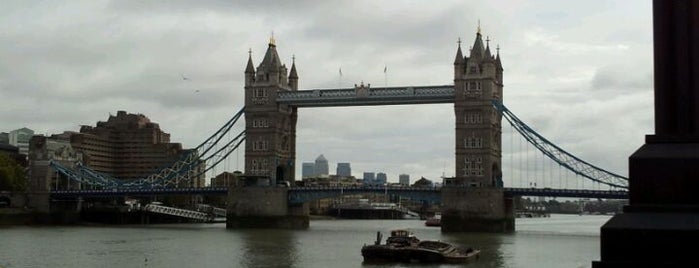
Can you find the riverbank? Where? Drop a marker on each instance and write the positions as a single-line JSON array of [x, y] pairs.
[[18, 216]]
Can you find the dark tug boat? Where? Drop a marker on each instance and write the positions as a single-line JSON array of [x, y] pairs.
[[403, 246]]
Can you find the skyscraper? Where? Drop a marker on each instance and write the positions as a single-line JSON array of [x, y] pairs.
[[344, 170], [308, 170], [381, 178], [321, 166], [368, 178], [404, 179]]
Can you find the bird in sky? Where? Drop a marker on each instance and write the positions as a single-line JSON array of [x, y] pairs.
[[184, 77]]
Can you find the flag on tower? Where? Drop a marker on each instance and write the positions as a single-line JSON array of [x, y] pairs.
[[340, 71], [384, 69]]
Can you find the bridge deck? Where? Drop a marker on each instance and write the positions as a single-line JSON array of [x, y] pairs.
[[367, 96], [304, 194]]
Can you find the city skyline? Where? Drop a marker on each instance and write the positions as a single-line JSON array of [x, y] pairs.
[[309, 170], [185, 71]]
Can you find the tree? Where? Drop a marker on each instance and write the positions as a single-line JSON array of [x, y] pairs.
[[12, 177]]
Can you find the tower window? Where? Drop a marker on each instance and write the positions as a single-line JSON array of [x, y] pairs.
[[260, 93], [473, 89], [473, 142], [260, 145], [473, 166], [473, 118], [260, 122]]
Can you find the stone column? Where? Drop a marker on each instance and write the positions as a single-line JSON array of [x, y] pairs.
[[660, 226]]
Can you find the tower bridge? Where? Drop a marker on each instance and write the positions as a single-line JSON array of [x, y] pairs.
[[476, 199]]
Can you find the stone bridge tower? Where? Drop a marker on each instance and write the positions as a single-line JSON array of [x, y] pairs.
[[477, 82], [270, 149], [270, 144], [474, 199]]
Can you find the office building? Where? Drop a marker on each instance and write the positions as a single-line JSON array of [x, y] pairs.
[[404, 179], [321, 166], [368, 178], [308, 170], [20, 139], [344, 170], [128, 147], [381, 178]]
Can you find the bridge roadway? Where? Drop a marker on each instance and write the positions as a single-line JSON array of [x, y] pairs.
[[305, 194]]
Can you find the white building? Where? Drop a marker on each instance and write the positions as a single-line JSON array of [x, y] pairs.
[[20, 138], [321, 166]]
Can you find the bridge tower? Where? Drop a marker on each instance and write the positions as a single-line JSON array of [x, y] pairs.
[[270, 150], [474, 200], [270, 127]]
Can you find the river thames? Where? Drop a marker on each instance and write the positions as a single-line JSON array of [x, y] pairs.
[[558, 241]]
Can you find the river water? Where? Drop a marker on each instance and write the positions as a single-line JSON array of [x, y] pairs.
[[558, 241]]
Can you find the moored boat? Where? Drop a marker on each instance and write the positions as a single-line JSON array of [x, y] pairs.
[[403, 246], [435, 220]]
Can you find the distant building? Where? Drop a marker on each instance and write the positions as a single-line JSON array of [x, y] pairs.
[[4, 138], [130, 146], [422, 182], [13, 152], [321, 166], [369, 178], [9, 149], [381, 178], [404, 179], [57, 148], [226, 179], [20, 138], [344, 170], [308, 170]]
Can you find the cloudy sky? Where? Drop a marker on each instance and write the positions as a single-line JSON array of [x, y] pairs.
[[580, 73]]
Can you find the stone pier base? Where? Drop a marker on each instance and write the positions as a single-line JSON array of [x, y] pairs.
[[476, 210], [660, 227], [264, 207]]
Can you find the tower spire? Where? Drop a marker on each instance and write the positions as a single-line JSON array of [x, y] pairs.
[[292, 73], [488, 55], [250, 69], [479, 27], [293, 76], [478, 50], [459, 56]]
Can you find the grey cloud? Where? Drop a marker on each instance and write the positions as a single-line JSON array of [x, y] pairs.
[[620, 78], [71, 63]]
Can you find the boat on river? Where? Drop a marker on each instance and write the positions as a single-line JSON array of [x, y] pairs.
[[403, 246], [435, 220]]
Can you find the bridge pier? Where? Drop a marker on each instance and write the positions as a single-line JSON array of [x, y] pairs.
[[470, 209], [264, 207]]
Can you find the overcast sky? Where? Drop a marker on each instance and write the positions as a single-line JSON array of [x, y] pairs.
[[580, 73]]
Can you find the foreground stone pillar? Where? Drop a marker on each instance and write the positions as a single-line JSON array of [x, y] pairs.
[[470, 209], [264, 207], [660, 226]]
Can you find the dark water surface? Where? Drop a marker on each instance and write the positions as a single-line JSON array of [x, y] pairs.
[[559, 241]]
